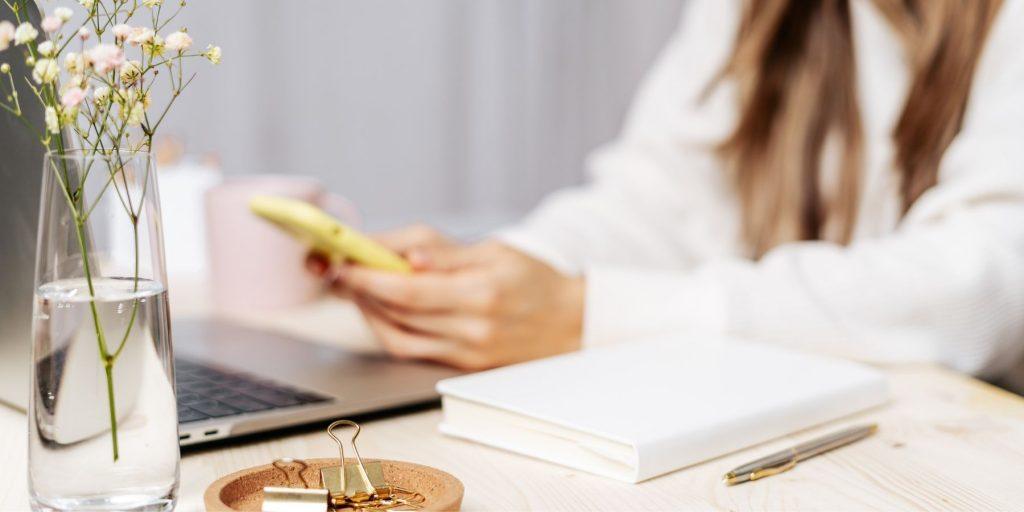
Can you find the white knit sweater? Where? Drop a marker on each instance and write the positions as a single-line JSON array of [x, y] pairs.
[[656, 232]]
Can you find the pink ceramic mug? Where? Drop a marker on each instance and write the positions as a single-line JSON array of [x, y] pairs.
[[254, 265]]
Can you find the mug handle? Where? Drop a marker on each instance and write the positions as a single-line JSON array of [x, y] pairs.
[[342, 208]]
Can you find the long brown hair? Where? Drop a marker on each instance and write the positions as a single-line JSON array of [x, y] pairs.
[[794, 65]]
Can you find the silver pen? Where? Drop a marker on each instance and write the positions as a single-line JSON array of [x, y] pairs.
[[785, 460]]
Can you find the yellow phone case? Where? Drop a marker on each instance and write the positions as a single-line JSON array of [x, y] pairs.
[[326, 234]]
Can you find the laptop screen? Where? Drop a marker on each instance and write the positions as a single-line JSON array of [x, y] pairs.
[[21, 166]]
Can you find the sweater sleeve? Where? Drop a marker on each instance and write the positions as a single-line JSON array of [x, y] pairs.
[[657, 197], [946, 286]]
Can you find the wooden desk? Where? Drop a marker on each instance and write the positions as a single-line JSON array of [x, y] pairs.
[[945, 442]]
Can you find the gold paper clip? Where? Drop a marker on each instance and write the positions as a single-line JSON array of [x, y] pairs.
[[292, 497], [350, 483]]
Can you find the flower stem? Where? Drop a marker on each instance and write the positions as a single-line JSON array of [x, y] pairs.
[[135, 289], [100, 338], [108, 369]]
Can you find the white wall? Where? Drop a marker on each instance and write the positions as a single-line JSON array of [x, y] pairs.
[[453, 111]]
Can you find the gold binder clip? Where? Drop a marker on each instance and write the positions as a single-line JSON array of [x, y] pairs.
[[400, 497], [349, 483], [296, 495]]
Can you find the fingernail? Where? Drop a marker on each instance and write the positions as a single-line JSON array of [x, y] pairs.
[[418, 259], [316, 265]]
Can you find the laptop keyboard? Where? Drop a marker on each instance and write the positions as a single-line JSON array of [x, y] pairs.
[[206, 392]]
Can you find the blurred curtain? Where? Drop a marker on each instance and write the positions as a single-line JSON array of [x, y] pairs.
[[457, 111]]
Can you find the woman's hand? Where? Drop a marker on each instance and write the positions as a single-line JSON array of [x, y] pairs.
[[473, 307], [404, 241]]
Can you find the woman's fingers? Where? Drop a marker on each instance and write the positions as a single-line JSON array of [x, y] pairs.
[[403, 241], [469, 329], [451, 278], [424, 292], [407, 240], [317, 263], [406, 344], [446, 258]]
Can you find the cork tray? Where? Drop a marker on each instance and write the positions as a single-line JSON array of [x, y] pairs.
[[243, 490]]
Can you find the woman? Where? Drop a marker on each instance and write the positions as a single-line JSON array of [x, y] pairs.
[[840, 175]]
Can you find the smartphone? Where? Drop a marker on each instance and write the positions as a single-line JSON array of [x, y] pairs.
[[325, 234]]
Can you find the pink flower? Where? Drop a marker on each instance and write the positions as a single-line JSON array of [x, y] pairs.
[[84, 33], [73, 97], [51, 24], [6, 34], [178, 42], [121, 31], [106, 57]]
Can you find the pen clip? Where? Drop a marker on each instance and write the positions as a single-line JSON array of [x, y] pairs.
[[786, 465]]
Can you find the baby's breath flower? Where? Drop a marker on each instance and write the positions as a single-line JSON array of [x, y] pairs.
[[212, 54], [25, 33], [51, 24], [77, 81], [87, 3], [178, 41], [131, 72], [152, 3], [74, 63], [154, 48], [101, 96], [141, 35], [45, 71], [6, 34], [47, 48], [72, 97], [106, 58], [130, 96], [30, 61], [63, 13], [84, 34], [52, 121], [121, 31], [5, 68], [68, 116], [133, 113]]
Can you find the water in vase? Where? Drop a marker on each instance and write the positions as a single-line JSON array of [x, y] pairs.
[[77, 434]]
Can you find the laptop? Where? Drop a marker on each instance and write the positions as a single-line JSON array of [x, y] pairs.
[[231, 380]]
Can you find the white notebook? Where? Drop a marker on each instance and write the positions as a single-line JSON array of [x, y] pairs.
[[639, 410]]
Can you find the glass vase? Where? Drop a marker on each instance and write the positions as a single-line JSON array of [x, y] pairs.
[[103, 426]]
